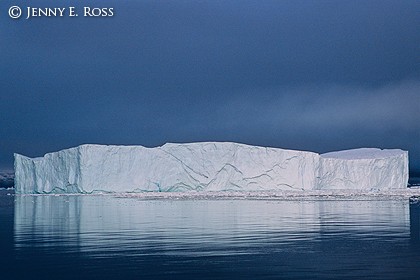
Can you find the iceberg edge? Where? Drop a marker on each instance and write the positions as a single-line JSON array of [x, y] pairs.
[[208, 166]]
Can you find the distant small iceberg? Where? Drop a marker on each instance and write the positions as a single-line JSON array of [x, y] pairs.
[[208, 166], [6, 180]]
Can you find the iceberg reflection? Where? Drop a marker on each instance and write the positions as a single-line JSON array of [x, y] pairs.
[[106, 225]]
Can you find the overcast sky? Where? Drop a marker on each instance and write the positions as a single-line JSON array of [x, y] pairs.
[[311, 75]]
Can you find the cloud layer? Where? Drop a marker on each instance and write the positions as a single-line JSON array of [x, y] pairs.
[[313, 75]]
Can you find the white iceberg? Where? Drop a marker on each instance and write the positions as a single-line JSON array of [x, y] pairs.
[[363, 168], [211, 166]]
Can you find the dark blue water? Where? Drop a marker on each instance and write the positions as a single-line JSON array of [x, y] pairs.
[[104, 237]]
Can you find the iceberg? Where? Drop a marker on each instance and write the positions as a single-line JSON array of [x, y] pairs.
[[363, 168], [207, 166]]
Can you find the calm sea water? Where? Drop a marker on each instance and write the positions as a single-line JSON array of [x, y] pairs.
[[105, 237]]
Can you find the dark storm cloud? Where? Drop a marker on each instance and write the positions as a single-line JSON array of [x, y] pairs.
[[314, 75], [332, 117]]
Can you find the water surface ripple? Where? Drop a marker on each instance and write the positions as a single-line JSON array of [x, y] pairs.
[[106, 237]]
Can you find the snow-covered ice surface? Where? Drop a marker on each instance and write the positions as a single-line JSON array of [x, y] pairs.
[[212, 167]]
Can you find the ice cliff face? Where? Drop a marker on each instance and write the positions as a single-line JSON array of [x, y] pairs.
[[206, 166], [363, 168]]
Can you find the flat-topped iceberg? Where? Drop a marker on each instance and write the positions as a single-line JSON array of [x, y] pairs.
[[212, 166], [363, 168]]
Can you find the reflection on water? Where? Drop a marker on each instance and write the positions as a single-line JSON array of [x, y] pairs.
[[415, 222], [107, 236]]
